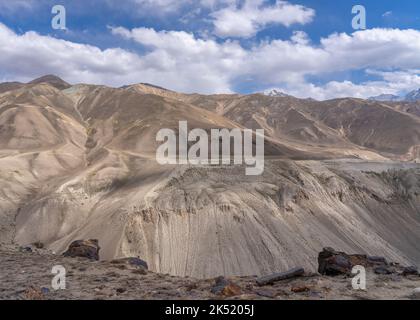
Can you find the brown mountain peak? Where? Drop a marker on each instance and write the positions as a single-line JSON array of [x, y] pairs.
[[52, 80]]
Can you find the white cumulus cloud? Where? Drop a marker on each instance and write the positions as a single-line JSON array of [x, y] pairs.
[[184, 62], [255, 15]]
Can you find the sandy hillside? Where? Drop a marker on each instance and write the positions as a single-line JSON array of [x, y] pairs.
[[78, 162]]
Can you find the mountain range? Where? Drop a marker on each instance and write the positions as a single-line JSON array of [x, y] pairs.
[[78, 162], [412, 96]]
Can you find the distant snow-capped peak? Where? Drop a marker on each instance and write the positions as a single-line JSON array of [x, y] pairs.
[[412, 96], [275, 93]]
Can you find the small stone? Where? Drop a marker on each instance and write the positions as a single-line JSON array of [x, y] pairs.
[[300, 289], [412, 270], [231, 290], [132, 261], [33, 293], [138, 263], [38, 245], [377, 260], [191, 286], [270, 279], [220, 283], [45, 290], [121, 290], [266, 293], [140, 271], [383, 270], [315, 294], [416, 294], [25, 249], [226, 288]]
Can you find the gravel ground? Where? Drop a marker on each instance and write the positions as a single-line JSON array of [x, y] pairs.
[[27, 276]]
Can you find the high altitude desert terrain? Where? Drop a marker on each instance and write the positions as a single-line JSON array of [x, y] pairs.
[[78, 162]]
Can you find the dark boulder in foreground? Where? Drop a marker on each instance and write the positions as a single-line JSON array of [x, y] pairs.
[[334, 263], [84, 248]]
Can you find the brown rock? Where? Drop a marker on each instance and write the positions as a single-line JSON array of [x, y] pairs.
[[231, 290], [333, 263], [191, 286], [121, 290], [38, 245], [33, 293], [300, 289], [226, 288], [84, 248]]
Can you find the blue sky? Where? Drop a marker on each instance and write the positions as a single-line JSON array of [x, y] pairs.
[[305, 48]]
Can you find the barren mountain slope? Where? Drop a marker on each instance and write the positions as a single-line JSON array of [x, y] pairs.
[[119, 139], [40, 142], [79, 163], [52, 80], [126, 119], [409, 107], [351, 127], [49, 79], [207, 222], [372, 125], [8, 86], [299, 134]]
